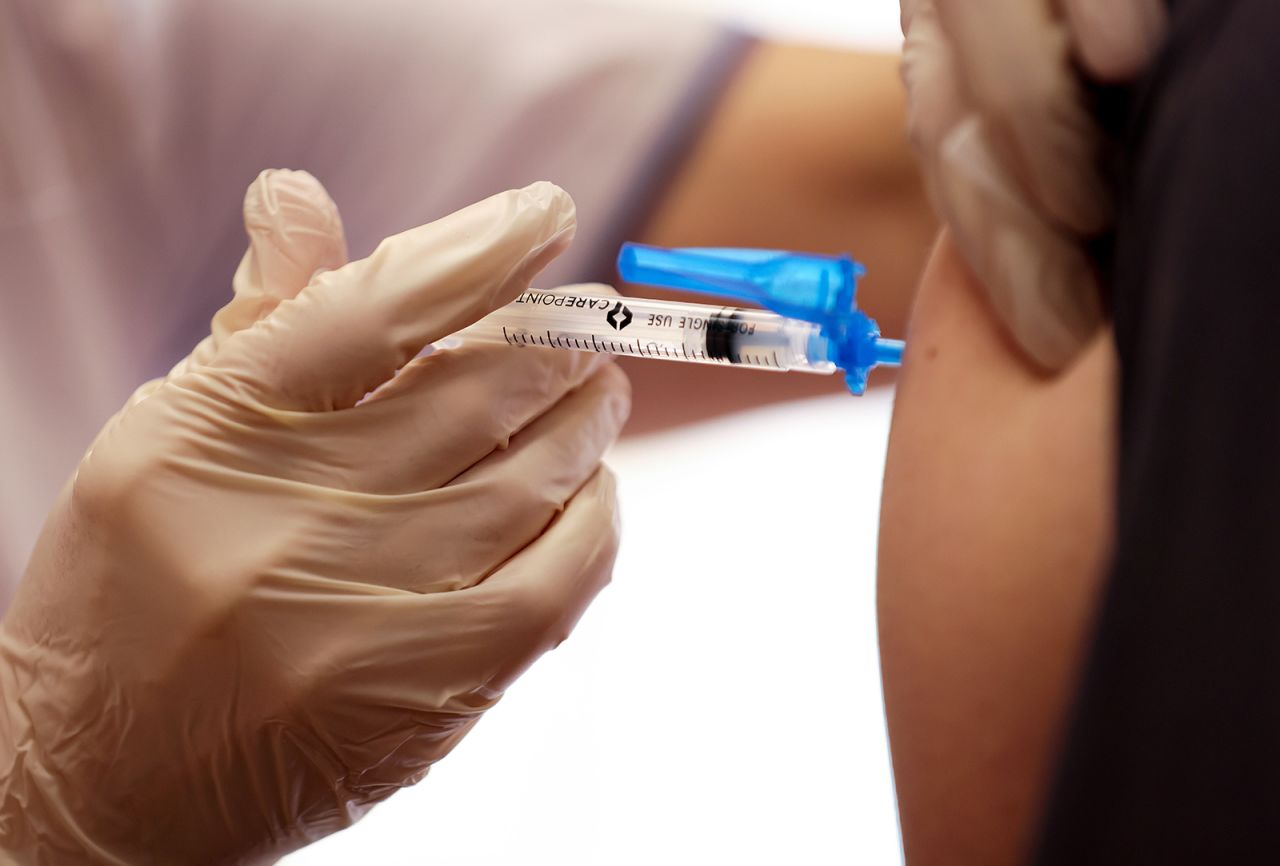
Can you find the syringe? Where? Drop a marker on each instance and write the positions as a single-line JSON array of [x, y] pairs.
[[641, 328], [828, 334]]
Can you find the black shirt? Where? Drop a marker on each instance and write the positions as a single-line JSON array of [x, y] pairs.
[[1173, 753]]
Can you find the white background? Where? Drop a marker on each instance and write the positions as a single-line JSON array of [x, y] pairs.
[[720, 703]]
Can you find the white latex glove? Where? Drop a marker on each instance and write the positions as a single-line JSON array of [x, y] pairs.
[[1011, 151], [263, 604]]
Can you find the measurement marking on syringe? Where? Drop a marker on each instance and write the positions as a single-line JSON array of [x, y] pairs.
[[652, 349], [723, 336]]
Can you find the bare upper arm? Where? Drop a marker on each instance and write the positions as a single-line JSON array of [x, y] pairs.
[[994, 530]]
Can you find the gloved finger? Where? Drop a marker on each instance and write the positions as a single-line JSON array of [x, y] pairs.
[[1015, 59], [371, 718], [907, 11], [350, 329], [491, 511], [1041, 283], [294, 231], [439, 416], [492, 393], [524, 486], [525, 609], [936, 101], [543, 592], [1116, 39]]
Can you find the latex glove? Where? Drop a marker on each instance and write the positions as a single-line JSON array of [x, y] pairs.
[[262, 605], [1011, 152]]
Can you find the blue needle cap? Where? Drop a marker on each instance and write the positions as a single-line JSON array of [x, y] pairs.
[[812, 288]]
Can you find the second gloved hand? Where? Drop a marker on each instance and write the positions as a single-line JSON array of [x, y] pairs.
[[1011, 151], [266, 601]]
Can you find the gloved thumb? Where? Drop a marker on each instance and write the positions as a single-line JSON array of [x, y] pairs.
[[294, 232], [352, 328]]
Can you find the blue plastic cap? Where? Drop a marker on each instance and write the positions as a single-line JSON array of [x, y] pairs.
[[812, 288], [791, 284]]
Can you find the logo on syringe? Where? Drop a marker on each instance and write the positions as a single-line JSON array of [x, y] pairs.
[[619, 317]]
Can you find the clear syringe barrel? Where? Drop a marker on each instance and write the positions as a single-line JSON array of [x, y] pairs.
[[641, 328]]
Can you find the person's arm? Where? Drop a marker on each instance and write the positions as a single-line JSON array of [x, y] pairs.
[[805, 151], [994, 530]]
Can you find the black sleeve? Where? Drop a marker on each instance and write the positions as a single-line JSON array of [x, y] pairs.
[[1173, 752]]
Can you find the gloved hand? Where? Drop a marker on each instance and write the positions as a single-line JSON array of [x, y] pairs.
[[266, 601], [1011, 152]]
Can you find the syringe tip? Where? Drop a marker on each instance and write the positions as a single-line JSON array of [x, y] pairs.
[[889, 352]]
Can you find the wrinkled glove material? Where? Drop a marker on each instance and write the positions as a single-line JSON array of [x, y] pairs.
[[1011, 153], [291, 575]]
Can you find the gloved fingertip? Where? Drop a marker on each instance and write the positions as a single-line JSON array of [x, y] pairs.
[[293, 213], [1040, 283], [1052, 349], [599, 496], [294, 232], [550, 197], [277, 188], [1116, 39], [603, 487], [1048, 298], [907, 12], [619, 396], [558, 206], [936, 102]]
